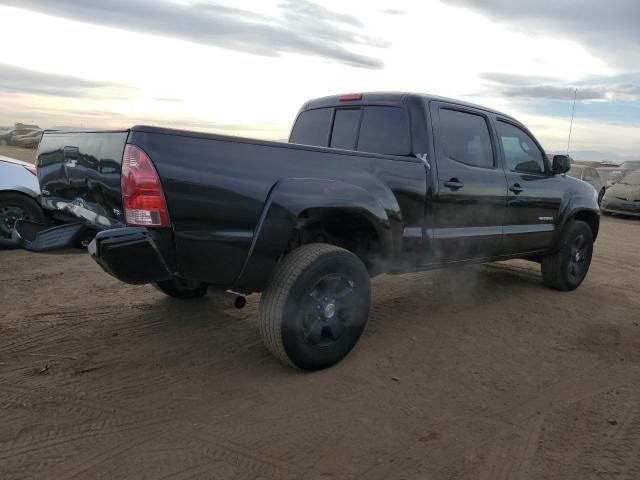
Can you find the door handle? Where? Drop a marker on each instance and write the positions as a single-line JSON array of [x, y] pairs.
[[516, 188], [454, 184]]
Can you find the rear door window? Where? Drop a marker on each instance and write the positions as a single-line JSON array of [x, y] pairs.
[[385, 130], [466, 138], [312, 127], [345, 128]]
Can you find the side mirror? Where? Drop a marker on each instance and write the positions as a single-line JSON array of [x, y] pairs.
[[560, 164]]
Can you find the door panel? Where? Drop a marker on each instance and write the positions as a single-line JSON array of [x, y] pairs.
[[534, 195], [470, 204]]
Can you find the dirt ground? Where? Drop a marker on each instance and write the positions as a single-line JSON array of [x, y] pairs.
[[472, 373]]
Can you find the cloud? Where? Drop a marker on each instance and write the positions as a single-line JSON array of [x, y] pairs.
[[20, 80], [78, 114], [393, 11], [302, 27], [609, 29], [549, 88]]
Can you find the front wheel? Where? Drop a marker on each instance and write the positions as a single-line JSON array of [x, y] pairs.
[[14, 207], [316, 306], [567, 268]]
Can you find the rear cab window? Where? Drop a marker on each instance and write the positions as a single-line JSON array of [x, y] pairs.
[[312, 127], [371, 128], [345, 128], [385, 130]]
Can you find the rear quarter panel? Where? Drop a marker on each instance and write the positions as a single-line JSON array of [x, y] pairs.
[[217, 187]]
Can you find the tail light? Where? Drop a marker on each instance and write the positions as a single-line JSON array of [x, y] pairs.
[[142, 196], [349, 97], [32, 168]]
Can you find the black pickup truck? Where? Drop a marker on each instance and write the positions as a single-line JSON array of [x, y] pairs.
[[368, 183]]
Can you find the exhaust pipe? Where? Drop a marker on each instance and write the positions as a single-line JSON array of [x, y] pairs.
[[229, 299]]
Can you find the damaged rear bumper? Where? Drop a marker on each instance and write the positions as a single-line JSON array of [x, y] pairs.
[[40, 238], [131, 255]]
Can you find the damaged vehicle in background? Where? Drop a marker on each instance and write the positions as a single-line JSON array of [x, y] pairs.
[[624, 197], [28, 140], [611, 175], [19, 191], [589, 175], [8, 137], [369, 183]]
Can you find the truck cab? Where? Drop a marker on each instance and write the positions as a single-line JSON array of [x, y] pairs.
[[490, 189]]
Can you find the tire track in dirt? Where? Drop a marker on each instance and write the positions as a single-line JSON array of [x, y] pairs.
[[461, 373], [53, 442], [620, 457], [516, 449], [61, 324]]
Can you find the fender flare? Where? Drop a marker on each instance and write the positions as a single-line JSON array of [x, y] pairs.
[[289, 198], [572, 209]]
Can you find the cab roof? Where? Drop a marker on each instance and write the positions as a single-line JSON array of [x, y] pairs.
[[388, 98]]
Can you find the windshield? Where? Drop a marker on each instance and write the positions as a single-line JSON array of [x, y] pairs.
[[611, 175], [632, 164], [632, 178]]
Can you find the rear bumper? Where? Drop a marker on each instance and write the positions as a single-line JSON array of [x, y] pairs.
[[130, 254], [39, 238]]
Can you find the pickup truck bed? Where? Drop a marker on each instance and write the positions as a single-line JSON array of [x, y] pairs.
[[369, 183]]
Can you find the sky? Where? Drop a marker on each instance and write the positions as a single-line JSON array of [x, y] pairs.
[[245, 67]]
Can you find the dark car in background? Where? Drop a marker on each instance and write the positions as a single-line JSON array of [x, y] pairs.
[[624, 197]]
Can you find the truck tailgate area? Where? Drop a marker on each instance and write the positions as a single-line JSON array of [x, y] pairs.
[[79, 174]]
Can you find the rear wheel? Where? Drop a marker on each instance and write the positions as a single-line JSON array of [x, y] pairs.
[[316, 306], [567, 268], [14, 207], [181, 288]]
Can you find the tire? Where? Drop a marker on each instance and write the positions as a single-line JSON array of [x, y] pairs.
[[566, 269], [17, 206], [315, 307], [182, 289], [600, 196]]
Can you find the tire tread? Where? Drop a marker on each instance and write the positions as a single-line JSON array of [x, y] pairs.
[[275, 296], [552, 270]]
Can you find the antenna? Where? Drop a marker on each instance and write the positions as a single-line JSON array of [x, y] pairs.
[[573, 111]]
